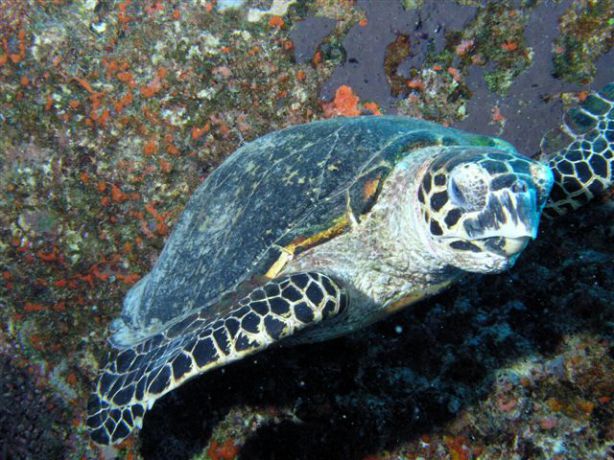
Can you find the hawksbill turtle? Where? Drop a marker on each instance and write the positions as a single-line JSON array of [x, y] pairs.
[[317, 230]]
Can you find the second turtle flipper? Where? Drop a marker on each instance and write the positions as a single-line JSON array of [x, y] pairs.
[[584, 167]]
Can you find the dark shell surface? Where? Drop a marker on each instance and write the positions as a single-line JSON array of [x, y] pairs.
[[284, 186]]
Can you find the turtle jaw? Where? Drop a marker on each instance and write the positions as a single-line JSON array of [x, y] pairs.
[[508, 246], [504, 250], [488, 255]]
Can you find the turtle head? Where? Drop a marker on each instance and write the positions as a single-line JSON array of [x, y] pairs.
[[482, 206]]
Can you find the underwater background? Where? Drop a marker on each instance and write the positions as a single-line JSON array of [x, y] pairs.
[[111, 114]]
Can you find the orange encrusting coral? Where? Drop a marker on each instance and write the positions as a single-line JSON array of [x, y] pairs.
[[457, 447], [497, 116], [226, 451], [165, 166], [345, 103], [171, 148], [117, 195], [123, 102], [416, 84], [372, 107], [150, 147], [32, 307], [276, 21], [152, 88], [456, 75], [122, 15], [198, 132], [161, 227], [20, 55], [509, 46]]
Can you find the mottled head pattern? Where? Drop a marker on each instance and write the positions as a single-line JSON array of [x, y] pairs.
[[584, 166], [481, 206]]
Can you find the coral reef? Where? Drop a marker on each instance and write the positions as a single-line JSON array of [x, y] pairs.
[[111, 113], [33, 420]]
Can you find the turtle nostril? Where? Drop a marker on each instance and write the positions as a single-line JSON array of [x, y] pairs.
[[519, 186]]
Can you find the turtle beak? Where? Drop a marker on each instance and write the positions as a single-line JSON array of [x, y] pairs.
[[507, 247], [524, 212], [513, 246]]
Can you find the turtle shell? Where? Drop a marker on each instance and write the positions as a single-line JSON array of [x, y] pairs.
[[280, 190]]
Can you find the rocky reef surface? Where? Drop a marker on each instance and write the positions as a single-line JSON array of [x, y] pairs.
[[112, 112]]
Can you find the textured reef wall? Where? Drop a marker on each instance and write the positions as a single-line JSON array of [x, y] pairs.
[[112, 112]]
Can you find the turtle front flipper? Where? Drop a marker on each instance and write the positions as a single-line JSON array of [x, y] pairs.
[[584, 167], [136, 377]]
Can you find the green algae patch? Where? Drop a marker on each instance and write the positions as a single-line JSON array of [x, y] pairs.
[[585, 36]]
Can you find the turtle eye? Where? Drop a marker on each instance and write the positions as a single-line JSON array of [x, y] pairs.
[[456, 195], [468, 187]]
